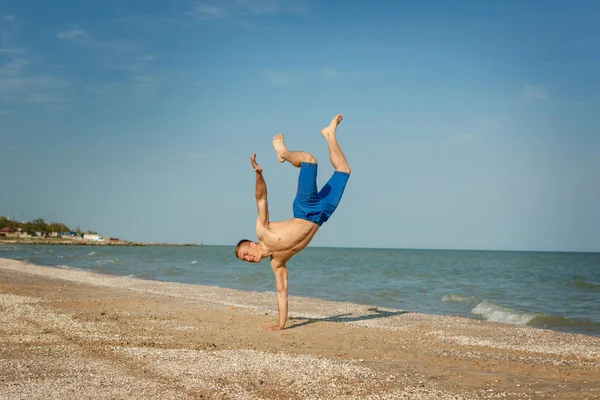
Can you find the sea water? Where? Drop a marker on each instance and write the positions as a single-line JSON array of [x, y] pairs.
[[558, 291]]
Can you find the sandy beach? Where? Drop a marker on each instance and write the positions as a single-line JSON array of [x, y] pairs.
[[77, 335]]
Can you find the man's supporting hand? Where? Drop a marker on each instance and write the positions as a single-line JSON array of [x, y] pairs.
[[274, 328], [256, 167]]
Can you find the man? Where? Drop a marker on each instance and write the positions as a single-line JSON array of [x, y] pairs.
[[280, 241]]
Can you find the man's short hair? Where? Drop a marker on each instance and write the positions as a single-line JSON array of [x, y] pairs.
[[240, 243]]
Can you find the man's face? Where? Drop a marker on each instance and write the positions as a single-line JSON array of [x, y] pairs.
[[249, 253]]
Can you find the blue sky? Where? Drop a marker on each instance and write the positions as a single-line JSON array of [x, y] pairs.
[[467, 124]]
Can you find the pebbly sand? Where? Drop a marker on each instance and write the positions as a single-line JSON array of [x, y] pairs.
[[69, 334]]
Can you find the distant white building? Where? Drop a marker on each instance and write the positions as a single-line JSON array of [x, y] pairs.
[[94, 237]]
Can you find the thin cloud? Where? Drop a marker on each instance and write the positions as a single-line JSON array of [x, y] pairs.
[[277, 77], [24, 78], [9, 30], [535, 92], [10, 84], [8, 50], [83, 38], [481, 126], [238, 8], [148, 79], [146, 57], [208, 11], [104, 89], [144, 22], [333, 73], [71, 34], [33, 90], [329, 72], [260, 7], [270, 7], [14, 66], [24, 81], [139, 87], [117, 55]]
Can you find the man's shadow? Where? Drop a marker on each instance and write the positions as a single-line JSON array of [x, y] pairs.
[[346, 317]]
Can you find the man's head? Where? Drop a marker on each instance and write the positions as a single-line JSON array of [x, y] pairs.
[[247, 250]]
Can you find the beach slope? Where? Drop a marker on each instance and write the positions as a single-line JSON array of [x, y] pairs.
[[77, 335]]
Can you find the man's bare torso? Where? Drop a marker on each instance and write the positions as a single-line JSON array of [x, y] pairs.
[[286, 238]]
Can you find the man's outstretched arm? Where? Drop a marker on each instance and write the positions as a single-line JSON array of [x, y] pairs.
[[260, 193], [281, 284]]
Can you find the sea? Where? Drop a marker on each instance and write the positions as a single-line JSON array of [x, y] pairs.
[[545, 290]]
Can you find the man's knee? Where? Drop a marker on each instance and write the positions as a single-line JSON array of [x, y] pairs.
[[345, 169], [309, 158]]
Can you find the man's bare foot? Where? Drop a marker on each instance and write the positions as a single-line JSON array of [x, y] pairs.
[[330, 130], [279, 146]]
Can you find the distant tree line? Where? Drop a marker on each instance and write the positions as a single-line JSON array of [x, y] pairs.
[[39, 225]]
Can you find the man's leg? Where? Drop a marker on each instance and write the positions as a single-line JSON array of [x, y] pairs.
[[307, 203], [332, 191], [337, 158], [293, 157]]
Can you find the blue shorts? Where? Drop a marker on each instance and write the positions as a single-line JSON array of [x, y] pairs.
[[313, 205]]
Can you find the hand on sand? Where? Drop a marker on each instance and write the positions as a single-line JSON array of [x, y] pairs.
[[274, 328], [256, 167]]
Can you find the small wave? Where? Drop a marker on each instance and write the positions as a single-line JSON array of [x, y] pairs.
[[60, 256], [92, 253], [457, 298], [194, 262], [172, 271], [496, 313], [10, 248], [108, 261], [65, 266], [565, 324], [586, 285]]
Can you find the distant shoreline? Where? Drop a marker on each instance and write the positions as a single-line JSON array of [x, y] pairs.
[[62, 242]]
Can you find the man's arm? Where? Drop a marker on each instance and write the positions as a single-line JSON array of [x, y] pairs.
[[260, 193], [281, 284]]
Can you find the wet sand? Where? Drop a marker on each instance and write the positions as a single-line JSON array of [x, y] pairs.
[[77, 335]]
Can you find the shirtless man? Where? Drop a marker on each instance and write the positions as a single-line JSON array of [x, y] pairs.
[[280, 241]]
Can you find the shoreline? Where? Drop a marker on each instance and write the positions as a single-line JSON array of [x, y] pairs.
[[569, 327], [68, 332], [72, 242]]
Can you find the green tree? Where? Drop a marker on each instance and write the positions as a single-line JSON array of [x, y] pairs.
[[39, 225], [28, 227]]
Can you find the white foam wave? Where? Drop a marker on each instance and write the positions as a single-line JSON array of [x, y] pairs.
[[194, 262], [457, 298], [496, 313], [65, 266], [92, 253], [108, 261], [10, 248]]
